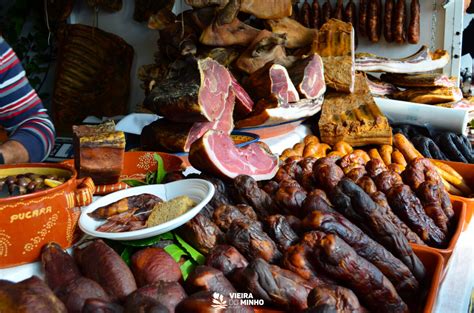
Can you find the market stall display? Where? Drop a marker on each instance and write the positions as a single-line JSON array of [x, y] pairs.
[[362, 217]]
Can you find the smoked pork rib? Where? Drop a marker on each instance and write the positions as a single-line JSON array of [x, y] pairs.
[[178, 137], [307, 74], [215, 153], [192, 92]]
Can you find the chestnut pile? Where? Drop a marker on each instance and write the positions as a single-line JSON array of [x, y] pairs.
[[22, 184]]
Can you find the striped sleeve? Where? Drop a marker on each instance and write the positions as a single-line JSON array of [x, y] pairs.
[[21, 111]]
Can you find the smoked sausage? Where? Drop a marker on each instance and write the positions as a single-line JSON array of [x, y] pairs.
[[388, 16], [315, 15], [373, 20], [414, 26], [326, 12], [305, 14], [350, 17], [399, 20], [363, 17], [338, 10]]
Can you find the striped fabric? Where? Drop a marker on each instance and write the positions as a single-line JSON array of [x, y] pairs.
[[21, 111]]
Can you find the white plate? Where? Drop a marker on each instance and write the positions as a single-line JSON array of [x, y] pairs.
[[201, 191]]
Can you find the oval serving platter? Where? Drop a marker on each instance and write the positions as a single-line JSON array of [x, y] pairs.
[[201, 191], [270, 131]]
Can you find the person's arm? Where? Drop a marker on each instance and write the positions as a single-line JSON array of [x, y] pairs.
[[31, 132]]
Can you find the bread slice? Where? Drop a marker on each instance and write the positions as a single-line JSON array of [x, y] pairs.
[[354, 118], [168, 210]]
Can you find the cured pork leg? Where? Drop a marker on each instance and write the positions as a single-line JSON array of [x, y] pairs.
[[297, 35], [216, 153], [192, 92], [266, 47], [234, 33], [272, 79], [308, 76]]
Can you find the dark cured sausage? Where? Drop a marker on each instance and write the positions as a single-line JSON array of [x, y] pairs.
[[398, 26], [305, 14], [338, 10], [388, 17], [315, 15], [363, 17], [350, 17], [326, 12], [414, 27], [373, 20]]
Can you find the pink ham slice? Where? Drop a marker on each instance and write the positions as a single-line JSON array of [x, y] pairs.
[[225, 123], [215, 153], [243, 102], [272, 79], [307, 75]]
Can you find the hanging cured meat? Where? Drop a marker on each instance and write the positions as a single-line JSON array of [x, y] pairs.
[[266, 47], [93, 76], [215, 153], [297, 35]]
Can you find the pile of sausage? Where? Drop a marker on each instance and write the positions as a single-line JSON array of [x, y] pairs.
[[398, 26]]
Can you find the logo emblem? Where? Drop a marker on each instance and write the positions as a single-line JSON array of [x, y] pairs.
[[218, 301]]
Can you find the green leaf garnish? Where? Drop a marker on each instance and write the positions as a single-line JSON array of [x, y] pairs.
[[160, 169], [186, 268], [133, 182], [126, 255], [175, 251], [193, 253]]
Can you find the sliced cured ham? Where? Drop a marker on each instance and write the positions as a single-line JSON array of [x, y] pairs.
[[178, 137], [282, 112], [243, 102], [234, 33], [421, 61], [193, 92], [419, 80], [272, 79], [215, 153], [307, 75], [430, 96], [266, 47], [297, 35]]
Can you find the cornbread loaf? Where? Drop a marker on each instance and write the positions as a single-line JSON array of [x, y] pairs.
[[99, 152], [335, 45], [354, 118], [168, 210]]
